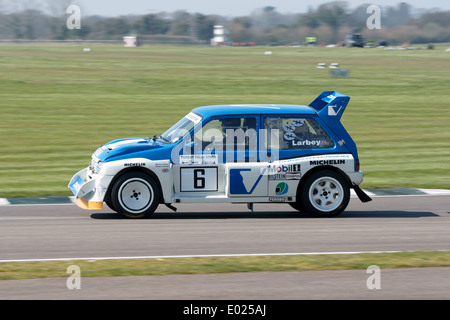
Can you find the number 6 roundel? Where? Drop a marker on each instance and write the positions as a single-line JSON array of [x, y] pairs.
[[198, 179]]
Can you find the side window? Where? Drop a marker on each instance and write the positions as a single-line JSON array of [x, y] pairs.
[[228, 134], [296, 133]]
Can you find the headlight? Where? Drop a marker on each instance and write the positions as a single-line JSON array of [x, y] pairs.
[[98, 167]]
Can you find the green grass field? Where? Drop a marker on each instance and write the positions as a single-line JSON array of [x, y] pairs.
[[59, 103], [170, 266]]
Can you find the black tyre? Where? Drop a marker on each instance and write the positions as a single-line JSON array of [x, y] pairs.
[[325, 194], [135, 195], [110, 205], [297, 205]]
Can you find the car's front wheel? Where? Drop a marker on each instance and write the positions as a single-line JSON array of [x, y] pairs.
[[135, 195], [325, 194]]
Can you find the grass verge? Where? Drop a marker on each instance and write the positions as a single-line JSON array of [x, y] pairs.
[[171, 266]]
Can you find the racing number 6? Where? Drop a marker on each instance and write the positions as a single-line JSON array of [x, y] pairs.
[[199, 178]]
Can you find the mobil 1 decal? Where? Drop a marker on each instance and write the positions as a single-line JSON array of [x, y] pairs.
[[284, 172]]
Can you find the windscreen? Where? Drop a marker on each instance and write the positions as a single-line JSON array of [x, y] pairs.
[[181, 128]]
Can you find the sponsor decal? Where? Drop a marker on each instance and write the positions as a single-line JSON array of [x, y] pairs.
[[277, 176], [76, 186], [334, 110], [281, 188], [283, 168], [326, 162], [277, 199], [243, 181], [165, 170], [140, 164], [193, 117], [298, 122], [99, 151], [162, 165], [307, 143], [285, 176], [293, 175], [289, 127], [199, 159], [289, 136]]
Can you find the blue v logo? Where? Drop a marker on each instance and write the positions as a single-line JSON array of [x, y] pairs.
[[241, 181]]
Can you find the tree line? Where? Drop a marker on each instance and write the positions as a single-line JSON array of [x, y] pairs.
[[329, 23]]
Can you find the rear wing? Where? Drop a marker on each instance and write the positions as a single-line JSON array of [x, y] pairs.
[[330, 104]]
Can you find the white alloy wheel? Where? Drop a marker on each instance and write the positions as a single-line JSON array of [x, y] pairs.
[[326, 194], [136, 195]]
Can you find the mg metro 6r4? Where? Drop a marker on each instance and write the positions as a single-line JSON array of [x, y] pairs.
[[294, 154]]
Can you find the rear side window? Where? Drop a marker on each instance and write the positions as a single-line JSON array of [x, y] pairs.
[[296, 133]]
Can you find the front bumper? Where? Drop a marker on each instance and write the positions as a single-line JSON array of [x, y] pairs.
[[89, 189]]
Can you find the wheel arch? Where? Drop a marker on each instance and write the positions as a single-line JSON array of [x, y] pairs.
[[304, 192], [135, 169], [321, 168]]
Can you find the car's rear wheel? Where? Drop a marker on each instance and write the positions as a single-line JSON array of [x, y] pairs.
[[325, 194], [135, 195]]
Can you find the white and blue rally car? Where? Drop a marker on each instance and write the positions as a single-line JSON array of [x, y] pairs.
[[300, 155]]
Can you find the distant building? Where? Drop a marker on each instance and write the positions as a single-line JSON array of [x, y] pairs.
[[130, 41], [219, 35]]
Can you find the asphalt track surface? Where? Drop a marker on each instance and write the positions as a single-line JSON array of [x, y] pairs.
[[385, 224]]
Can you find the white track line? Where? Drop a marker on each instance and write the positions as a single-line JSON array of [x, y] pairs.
[[436, 192], [201, 256], [4, 202]]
